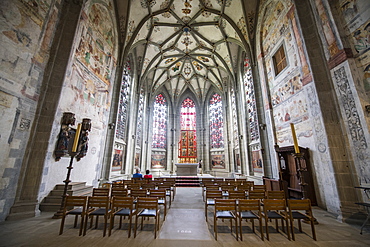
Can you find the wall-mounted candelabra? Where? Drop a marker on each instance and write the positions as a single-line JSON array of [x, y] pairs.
[[72, 142]]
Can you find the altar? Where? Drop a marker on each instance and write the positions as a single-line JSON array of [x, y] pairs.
[[187, 169]]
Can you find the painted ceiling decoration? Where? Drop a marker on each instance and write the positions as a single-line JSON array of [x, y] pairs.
[[187, 44]]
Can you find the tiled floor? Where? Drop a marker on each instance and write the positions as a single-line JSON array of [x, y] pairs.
[[185, 225]]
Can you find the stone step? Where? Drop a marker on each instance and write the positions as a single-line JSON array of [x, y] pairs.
[[52, 202]]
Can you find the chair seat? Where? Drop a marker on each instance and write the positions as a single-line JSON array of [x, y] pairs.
[[161, 201], [123, 212], [76, 211], [248, 215], [210, 201], [148, 212], [224, 214], [298, 215], [274, 215], [99, 211]]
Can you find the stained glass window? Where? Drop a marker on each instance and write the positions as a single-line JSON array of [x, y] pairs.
[[139, 122], [235, 119], [123, 103], [188, 115], [216, 123], [250, 101], [188, 141], [159, 122]]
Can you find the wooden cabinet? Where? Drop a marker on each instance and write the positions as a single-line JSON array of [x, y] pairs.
[[296, 173]]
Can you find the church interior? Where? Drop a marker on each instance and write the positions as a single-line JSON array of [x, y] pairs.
[[275, 93]]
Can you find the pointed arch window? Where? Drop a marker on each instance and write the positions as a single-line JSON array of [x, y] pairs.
[[216, 122], [159, 139], [139, 129], [123, 103], [188, 141]]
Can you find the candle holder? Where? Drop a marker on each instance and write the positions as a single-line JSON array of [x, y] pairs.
[[77, 149]]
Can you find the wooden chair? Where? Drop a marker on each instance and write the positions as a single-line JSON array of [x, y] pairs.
[[210, 187], [97, 206], [249, 209], [301, 210], [118, 191], [135, 193], [211, 195], [259, 187], [161, 195], [225, 209], [237, 194], [169, 193], [122, 207], [275, 209], [257, 194], [147, 207], [73, 202], [118, 185], [275, 194], [226, 189], [101, 192]]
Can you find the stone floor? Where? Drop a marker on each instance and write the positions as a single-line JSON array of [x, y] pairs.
[[185, 225]]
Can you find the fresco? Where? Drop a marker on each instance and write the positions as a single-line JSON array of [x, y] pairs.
[[257, 161], [158, 161], [117, 160], [96, 45], [218, 161]]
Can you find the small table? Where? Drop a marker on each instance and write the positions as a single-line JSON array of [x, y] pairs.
[[365, 204]]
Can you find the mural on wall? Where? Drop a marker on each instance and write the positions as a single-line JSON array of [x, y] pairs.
[[357, 24], [257, 161], [158, 161], [218, 161], [117, 160]]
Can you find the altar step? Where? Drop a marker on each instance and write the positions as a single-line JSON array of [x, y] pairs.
[[188, 182]]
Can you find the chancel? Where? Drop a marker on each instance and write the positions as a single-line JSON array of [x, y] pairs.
[[210, 96]]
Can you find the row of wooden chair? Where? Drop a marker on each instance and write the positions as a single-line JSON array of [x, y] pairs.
[[110, 207], [272, 209]]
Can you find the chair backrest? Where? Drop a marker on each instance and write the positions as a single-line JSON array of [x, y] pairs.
[[304, 204], [100, 192], [214, 194], [138, 193], [98, 202], [159, 193], [133, 185], [237, 194], [225, 205], [257, 194], [259, 187], [212, 187], [249, 205], [123, 202], [75, 201], [119, 192], [274, 204], [243, 187], [275, 194], [147, 203], [227, 187], [118, 185]]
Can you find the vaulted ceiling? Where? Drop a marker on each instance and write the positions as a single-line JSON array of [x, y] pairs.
[[188, 44]]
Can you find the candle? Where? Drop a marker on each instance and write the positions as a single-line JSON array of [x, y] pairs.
[[296, 148], [77, 137]]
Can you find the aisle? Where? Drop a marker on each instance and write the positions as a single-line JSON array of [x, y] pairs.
[[185, 219]]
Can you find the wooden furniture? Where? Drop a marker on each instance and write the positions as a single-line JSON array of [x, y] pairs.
[[97, 206], [147, 207], [275, 209], [72, 202], [122, 207], [292, 171], [249, 209], [301, 210], [225, 209]]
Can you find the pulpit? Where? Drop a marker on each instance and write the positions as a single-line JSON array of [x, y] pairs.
[[187, 169]]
